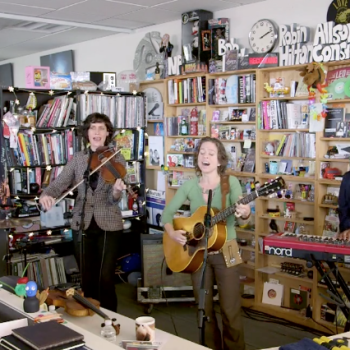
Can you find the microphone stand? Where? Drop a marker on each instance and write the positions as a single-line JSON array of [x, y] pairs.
[[202, 292], [81, 231]]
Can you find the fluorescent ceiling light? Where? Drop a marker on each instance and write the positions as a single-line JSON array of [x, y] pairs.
[[65, 23]]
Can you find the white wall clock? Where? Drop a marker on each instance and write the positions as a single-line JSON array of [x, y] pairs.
[[263, 36]]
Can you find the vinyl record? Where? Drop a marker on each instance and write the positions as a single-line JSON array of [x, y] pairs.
[[338, 13]]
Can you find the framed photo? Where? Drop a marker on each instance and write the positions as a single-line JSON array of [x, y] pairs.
[[206, 42]]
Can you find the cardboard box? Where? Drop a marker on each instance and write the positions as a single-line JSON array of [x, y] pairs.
[[155, 204], [37, 77]]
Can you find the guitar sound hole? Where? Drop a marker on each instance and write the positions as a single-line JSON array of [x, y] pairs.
[[198, 231]]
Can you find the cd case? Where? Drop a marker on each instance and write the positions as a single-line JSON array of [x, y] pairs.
[[135, 345], [273, 293]]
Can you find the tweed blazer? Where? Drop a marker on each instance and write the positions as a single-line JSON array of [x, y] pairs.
[[99, 203]]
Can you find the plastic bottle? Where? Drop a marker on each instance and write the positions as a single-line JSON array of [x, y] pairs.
[[108, 332]]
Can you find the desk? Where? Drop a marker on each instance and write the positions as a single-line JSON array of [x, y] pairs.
[[90, 327]]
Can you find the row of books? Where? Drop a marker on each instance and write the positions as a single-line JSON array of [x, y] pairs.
[[131, 143], [190, 90], [277, 114], [58, 112], [123, 111], [41, 149], [233, 89], [20, 179], [297, 145]]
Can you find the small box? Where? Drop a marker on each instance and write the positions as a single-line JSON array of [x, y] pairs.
[[37, 77]]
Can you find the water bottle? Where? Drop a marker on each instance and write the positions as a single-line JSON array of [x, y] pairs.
[[108, 332]]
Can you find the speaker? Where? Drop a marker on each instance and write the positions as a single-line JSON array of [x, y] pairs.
[[154, 269]]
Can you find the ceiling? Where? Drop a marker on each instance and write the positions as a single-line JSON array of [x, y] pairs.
[[30, 26]]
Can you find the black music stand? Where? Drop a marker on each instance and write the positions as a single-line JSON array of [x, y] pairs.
[[202, 318], [333, 290]]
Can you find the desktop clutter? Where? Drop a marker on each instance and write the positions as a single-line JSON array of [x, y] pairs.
[[318, 344]]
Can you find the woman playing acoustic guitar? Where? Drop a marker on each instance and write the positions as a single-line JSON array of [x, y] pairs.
[[103, 224], [210, 162]]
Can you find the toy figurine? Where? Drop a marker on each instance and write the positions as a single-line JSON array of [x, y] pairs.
[[31, 302], [166, 46], [157, 72]]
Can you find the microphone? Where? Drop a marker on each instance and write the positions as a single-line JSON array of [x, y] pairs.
[[151, 112], [207, 220]]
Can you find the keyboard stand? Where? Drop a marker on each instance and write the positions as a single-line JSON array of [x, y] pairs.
[[333, 288]]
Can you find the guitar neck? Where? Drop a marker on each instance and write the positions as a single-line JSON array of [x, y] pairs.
[[89, 305], [223, 214]]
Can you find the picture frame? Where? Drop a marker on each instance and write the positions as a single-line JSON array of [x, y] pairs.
[[206, 40]]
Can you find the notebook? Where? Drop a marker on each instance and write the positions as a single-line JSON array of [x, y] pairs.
[[10, 342], [47, 335]]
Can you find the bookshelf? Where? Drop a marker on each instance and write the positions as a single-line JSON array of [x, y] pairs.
[[259, 226], [45, 148]]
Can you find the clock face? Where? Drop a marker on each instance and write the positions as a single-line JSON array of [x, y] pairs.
[[263, 36]]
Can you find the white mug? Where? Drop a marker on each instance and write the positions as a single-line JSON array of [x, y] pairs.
[[145, 328]]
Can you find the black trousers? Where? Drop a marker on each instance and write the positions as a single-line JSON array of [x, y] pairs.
[[101, 250]]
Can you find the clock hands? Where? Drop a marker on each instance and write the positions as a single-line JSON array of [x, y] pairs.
[[266, 34]]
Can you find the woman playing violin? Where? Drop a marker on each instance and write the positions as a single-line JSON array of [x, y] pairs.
[[103, 225]]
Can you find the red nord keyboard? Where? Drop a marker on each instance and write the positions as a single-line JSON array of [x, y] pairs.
[[307, 246]]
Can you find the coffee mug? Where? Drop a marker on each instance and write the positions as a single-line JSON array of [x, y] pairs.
[[145, 328]]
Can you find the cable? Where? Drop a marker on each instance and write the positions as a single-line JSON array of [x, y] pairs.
[[166, 299], [262, 317]]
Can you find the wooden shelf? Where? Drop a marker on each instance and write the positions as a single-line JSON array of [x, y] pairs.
[[236, 140], [329, 182], [296, 201], [155, 120], [345, 100], [301, 179], [231, 123], [240, 173], [186, 136], [187, 104], [337, 160], [241, 105], [243, 231], [248, 265], [236, 72], [283, 157], [281, 218], [247, 248], [147, 82], [337, 139], [328, 206], [295, 98], [180, 152], [283, 130], [181, 168], [153, 167]]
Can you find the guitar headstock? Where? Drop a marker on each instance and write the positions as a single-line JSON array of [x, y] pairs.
[[271, 187]]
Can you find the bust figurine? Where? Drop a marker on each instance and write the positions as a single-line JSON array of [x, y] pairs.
[[166, 46], [31, 302]]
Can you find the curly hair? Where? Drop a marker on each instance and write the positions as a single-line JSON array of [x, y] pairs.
[[222, 155], [96, 118]]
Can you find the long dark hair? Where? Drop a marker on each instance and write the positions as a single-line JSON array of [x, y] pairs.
[[96, 118], [222, 155]]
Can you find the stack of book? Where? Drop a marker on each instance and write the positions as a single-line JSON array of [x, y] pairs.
[[42, 336]]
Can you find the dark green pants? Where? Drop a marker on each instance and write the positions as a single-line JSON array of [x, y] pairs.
[[227, 280]]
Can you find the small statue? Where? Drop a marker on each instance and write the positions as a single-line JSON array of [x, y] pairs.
[[157, 72], [31, 302]]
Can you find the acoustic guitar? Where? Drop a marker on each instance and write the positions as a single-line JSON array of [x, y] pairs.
[[189, 258]]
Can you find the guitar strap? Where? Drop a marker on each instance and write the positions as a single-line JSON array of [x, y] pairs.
[[230, 250]]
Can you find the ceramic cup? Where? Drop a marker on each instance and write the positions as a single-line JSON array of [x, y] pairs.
[[145, 328]]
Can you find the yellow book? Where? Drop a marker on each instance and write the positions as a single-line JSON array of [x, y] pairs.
[[280, 145]]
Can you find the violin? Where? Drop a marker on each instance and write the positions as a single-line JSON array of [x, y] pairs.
[[110, 169], [75, 304]]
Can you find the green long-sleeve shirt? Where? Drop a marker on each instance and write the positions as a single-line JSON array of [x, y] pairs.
[[192, 191]]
